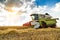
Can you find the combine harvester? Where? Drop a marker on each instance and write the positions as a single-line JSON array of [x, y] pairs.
[[44, 22]]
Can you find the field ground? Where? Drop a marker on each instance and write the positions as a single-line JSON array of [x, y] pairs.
[[29, 34]]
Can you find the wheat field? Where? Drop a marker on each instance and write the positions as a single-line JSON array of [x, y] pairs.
[[29, 34]]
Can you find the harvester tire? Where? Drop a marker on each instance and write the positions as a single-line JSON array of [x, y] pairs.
[[53, 26], [43, 24]]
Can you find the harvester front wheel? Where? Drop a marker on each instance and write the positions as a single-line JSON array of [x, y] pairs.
[[43, 24]]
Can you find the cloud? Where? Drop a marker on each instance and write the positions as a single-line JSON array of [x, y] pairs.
[[26, 8], [55, 11], [15, 18], [11, 3], [2, 1]]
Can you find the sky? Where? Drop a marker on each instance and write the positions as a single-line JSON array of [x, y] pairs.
[[24, 8], [46, 2]]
